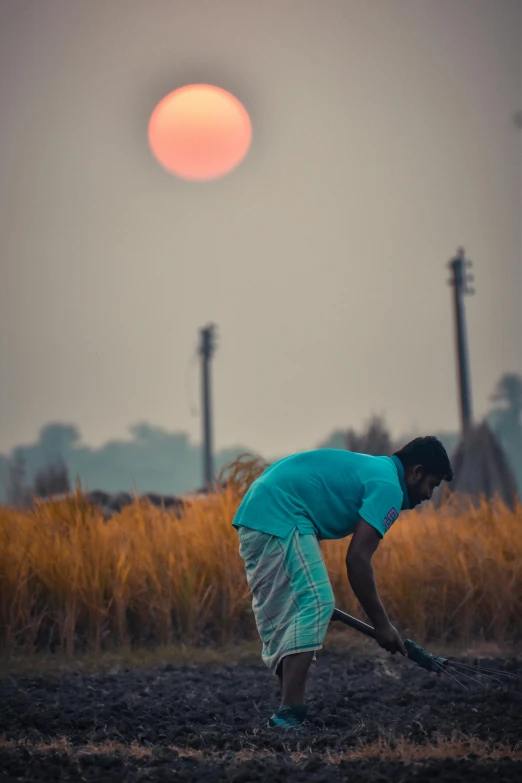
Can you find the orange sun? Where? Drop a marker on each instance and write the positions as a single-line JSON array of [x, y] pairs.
[[199, 132]]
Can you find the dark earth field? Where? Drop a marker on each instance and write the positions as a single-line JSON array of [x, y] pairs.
[[372, 719]]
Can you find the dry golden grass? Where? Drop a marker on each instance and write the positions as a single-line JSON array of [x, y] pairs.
[[72, 581], [459, 746]]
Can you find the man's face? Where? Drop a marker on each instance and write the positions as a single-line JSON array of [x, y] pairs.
[[420, 485]]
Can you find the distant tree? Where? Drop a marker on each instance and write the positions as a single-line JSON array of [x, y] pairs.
[[375, 440], [505, 420], [17, 491], [336, 440], [57, 439], [4, 475], [509, 393], [52, 480], [148, 435], [153, 460]]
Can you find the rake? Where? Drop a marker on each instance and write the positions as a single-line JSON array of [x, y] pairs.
[[457, 671]]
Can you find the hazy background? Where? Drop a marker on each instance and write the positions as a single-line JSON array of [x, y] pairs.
[[383, 138]]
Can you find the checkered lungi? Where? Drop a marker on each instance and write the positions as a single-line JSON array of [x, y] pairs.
[[292, 597]]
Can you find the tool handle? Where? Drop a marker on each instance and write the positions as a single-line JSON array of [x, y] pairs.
[[416, 653], [353, 622]]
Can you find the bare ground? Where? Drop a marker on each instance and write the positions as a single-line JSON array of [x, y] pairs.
[[372, 718]]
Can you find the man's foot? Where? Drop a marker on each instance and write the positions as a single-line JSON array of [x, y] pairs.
[[288, 717]]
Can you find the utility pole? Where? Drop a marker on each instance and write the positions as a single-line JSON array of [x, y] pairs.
[[459, 281], [206, 351]]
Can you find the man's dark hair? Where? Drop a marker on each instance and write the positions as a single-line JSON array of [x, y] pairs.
[[428, 452]]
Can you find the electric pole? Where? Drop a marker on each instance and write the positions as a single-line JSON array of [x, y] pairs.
[[206, 351], [459, 281]]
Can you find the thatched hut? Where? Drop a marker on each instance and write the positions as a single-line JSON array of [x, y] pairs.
[[481, 469]]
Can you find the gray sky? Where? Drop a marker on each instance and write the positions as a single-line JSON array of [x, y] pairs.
[[383, 138]]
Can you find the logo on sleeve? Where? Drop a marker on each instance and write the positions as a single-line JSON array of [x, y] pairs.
[[390, 518]]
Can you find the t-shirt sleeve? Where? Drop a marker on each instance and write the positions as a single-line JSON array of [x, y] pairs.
[[381, 505]]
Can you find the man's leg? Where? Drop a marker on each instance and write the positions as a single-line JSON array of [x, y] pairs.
[[295, 669], [279, 673], [293, 602]]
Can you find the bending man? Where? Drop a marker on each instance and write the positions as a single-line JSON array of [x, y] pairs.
[[300, 500]]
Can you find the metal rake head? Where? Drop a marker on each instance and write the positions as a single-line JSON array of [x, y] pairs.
[[477, 674]]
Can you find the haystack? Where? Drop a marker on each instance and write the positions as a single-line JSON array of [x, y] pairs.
[[481, 469]]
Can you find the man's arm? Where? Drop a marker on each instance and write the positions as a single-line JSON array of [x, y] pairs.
[[365, 541]]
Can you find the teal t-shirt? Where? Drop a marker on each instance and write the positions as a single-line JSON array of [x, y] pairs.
[[324, 492]]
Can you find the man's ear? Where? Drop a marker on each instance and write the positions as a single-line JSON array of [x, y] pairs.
[[415, 473]]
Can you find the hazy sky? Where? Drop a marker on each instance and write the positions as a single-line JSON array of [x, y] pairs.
[[383, 138]]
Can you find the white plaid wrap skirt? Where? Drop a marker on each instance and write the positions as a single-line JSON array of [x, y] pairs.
[[292, 597]]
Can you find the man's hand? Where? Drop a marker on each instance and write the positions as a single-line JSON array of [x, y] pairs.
[[387, 636], [365, 541]]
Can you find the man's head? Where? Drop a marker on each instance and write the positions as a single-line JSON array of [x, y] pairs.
[[426, 464]]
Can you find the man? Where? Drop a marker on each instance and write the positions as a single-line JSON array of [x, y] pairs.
[[300, 500]]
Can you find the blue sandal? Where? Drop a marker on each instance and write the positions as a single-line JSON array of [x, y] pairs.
[[288, 717]]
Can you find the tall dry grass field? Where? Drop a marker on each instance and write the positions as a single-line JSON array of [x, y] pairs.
[[70, 580]]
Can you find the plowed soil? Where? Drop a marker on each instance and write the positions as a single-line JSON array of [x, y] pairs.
[[371, 719]]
